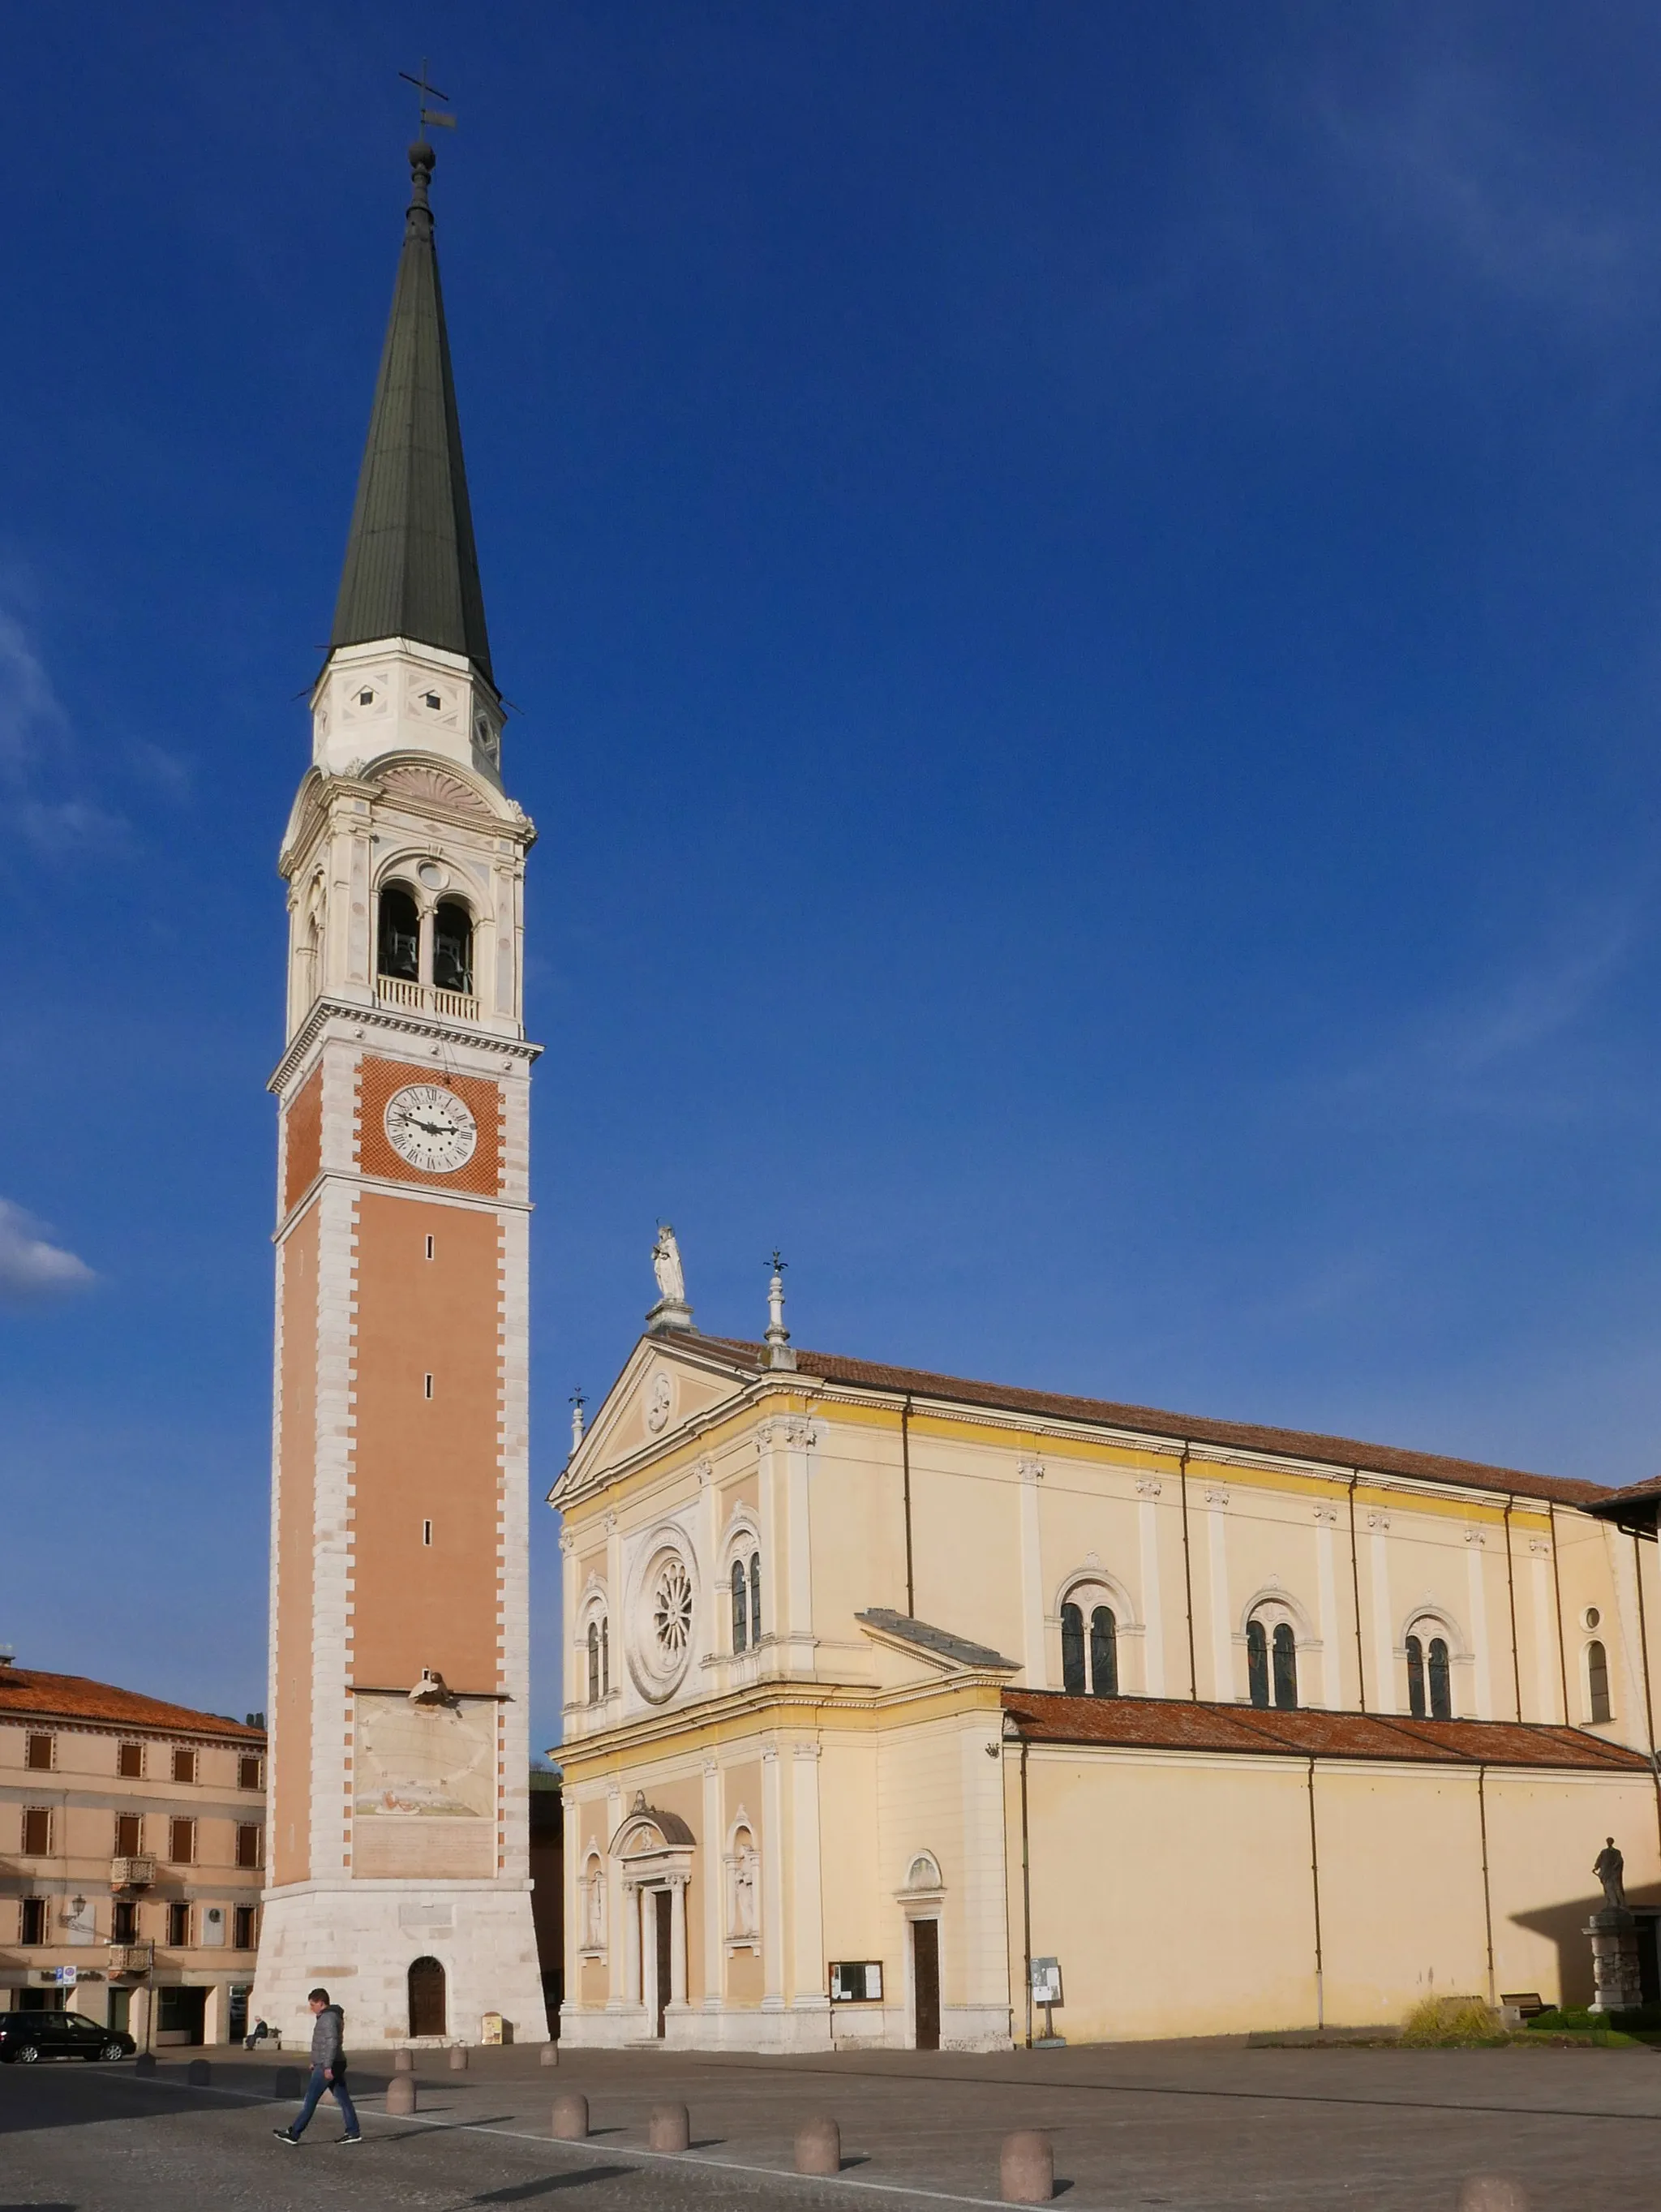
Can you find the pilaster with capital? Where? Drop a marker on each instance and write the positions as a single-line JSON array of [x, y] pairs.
[[1031, 1472], [773, 1879]]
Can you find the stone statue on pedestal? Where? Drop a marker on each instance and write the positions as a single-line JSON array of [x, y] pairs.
[[671, 1310], [1613, 1934], [1609, 1868]]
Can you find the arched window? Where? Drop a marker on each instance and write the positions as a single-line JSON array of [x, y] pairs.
[[593, 1663], [1441, 1687], [740, 1607], [1286, 1666], [1597, 1681], [1072, 1649], [755, 1597], [1429, 1682], [1104, 1653], [605, 1657], [1257, 1663], [1271, 1655], [1090, 1645], [453, 947], [427, 2002], [399, 935]]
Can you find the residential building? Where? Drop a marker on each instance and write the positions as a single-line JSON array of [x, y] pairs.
[[132, 1845]]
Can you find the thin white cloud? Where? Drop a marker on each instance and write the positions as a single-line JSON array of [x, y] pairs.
[[1523, 215], [42, 811], [33, 723], [31, 1267]]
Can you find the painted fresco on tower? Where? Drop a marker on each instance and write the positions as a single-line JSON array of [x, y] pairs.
[[425, 1798]]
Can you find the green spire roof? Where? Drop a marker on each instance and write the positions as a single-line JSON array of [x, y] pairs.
[[411, 568]]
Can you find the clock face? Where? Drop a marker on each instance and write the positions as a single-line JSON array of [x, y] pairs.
[[431, 1129]]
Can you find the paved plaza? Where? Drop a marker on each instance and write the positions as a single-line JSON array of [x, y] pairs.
[[1183, 2125]]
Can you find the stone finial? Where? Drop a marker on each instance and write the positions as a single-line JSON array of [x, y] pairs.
[[577, 1402], [778, 1340]]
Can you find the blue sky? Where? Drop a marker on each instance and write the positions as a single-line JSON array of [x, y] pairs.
[[1082, 590]]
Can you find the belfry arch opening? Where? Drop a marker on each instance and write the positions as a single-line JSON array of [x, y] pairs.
[[397, 935], [453, 947]]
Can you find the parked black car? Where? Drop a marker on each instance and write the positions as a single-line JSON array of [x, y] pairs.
[[26, 2036]]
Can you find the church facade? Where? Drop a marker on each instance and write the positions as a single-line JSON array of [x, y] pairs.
[[889, 1696], [397, 1866]]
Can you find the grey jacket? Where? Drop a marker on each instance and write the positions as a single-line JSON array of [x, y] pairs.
[[329, 2038]]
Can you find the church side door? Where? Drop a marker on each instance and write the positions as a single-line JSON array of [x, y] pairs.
[[925, 1982]]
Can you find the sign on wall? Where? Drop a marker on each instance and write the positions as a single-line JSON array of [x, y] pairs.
[[856, 1981]]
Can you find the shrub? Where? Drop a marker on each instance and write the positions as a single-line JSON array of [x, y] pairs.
[[1441, 2023]]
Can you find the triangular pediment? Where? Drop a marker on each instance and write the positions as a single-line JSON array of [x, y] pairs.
[[670, 1382]]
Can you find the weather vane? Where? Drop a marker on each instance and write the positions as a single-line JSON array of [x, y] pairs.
[[778, 1265], [426, 92]]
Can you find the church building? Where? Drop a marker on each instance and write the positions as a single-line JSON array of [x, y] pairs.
[[397, 1866], [892, 1698]]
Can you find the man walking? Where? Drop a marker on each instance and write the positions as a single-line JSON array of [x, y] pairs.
[[328, 2071]]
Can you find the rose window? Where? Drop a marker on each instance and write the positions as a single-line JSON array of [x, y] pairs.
[[671, 1611]]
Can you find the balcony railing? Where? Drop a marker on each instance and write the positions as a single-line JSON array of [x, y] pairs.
[[132, 1958], [398, 991], [132, 1874]]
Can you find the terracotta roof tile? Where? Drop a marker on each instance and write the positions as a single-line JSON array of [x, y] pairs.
[[1176, 1428], [28, 1694], [1176, 1724]]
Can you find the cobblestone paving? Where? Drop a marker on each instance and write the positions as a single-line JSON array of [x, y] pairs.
[[1196, 2127]]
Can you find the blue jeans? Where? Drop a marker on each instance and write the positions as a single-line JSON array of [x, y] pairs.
[[314, 2089]]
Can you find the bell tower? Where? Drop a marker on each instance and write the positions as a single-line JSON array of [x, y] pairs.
[[398, 1834]]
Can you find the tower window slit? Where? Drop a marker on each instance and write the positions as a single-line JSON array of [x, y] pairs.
[[430, 1248], [429, 1386], [426, 1532]]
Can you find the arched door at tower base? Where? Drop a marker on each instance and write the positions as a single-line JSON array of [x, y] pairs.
[[427, 1999]]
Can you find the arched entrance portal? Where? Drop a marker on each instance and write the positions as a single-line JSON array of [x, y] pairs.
[[427, 2001], [655, 1848]]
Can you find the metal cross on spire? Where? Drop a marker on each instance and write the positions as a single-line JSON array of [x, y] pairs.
[[426, 92]]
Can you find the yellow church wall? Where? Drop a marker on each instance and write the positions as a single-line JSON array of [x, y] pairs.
[[1544, 1832], [1595, 1570], [1401, 1888], [1173, 1889], [851, 1493], [1177, 1890], [965, 1535], [860, 1914]]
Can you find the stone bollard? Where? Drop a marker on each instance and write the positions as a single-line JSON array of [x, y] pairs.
[[550, 2055], [570, 2117], [290, 2082], [818, 2147], [400, 2093], [1492, 2192], [145, 2062], [459, 2058], [403, 2062], [669, 2128], [1026, 2168], [199, 2072]]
